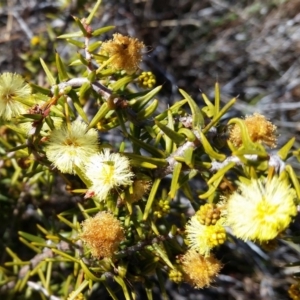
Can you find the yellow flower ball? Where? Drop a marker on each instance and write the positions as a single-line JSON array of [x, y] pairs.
[[259, 211]]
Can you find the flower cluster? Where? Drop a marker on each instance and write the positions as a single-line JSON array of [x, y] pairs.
[[146, 80], [102, 234], [75, 147], [107, 171], [14, 96], [203, 238], [125, 53], [71, 146], [259, 128], [200, 271], [261, 210]]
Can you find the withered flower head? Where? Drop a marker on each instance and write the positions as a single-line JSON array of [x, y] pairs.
[[200, 271], [294, 291], [140, 186], [125, 53], [102, 234], [259, 128]]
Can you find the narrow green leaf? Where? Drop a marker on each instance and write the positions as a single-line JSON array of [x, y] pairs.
[[198, 119], [36, 117], [121, 282], [22, 282], [212, 188], [259, 150], [12, 254], [148, 111], [76, 43], [294, 180], [31, 237], [48, 274], [188, 157], [175, 178], [149, 289], [190, 136], [163, 255], [82, 59], [94, 46], [284, 151], [49, 75], [210, 108], [80, 25], [102, 30], [29, 245], [84, 89], [71, 35], [93, 12], [88, 273], [151, 198], [173, 135], [78, 290], [121, 83], [149, 148], [110, 291], [221, 172], [138, 104], [138, 160], [169, 142], [122, 122], [62, 73], [209, 150], [65, 255], [175, 108], [99, 115], [38, 89], [67, 222], [218, 116], [76, 62]]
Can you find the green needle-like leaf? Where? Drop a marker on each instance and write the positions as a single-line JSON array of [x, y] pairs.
[[198, 119]]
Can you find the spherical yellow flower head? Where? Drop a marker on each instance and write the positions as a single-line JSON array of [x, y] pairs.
[[35, 40], [208, 214], [200, 271], [260, 211], [146, 80], [161, 208], [125, 53], [71, 147], [176, 276], [102, 234], [14, 93], [107, 171], [259, 128], [204, 238]]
